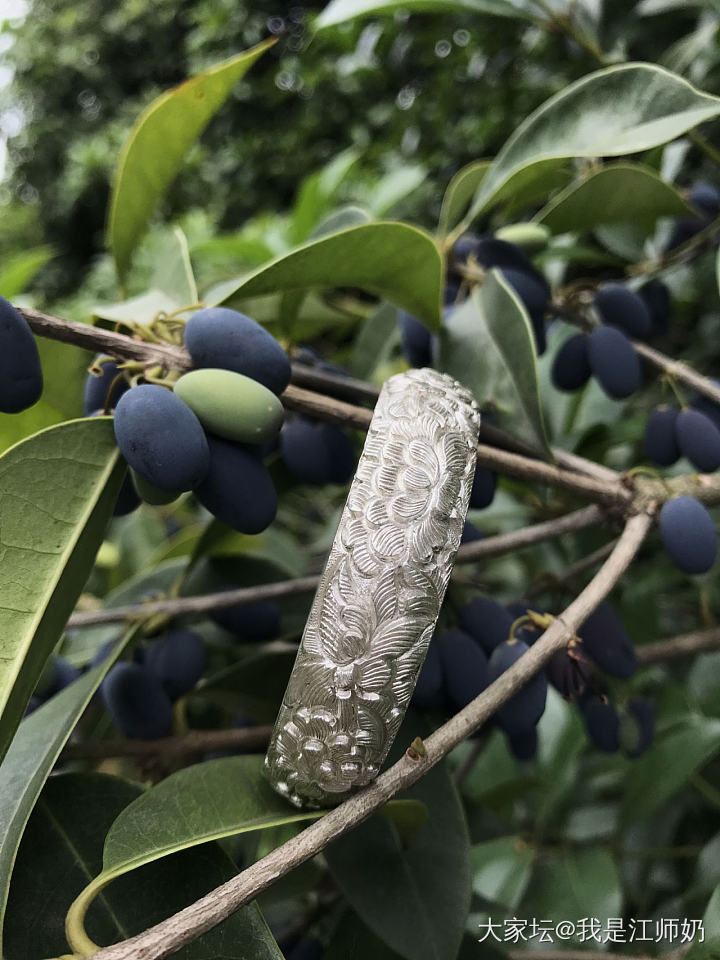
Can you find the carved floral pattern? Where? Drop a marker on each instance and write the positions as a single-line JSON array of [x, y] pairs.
[[379, 598]]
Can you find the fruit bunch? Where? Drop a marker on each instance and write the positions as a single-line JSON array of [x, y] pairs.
[[462, 661], [206, 431]]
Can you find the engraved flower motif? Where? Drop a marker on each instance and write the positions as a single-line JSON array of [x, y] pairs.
[[315, 756]]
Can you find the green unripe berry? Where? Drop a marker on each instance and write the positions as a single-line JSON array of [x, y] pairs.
[[529, 236], [149, 493], [231, 405]]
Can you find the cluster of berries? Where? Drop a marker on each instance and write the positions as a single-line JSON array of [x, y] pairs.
[[462, 661], [607, 352]]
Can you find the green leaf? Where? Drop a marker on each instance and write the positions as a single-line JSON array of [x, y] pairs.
[[675, 755], [62, 850], [392, 260], [389, 190], [375, 341], [487, 344], [353, 940], [208, 801], [570, 886], [612, 112], [339, 11], [141, 309], [622, 193], [255, 685], [31, 757], [414, 897], [316, 193], [501, 870], [173, 272], [157, 146], [19, 269], [460, 191], [57, 491], [711, 930]]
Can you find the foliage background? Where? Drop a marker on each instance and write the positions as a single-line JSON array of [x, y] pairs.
[[416, 97]]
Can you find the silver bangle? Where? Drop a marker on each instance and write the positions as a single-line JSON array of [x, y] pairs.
[[380, 593]]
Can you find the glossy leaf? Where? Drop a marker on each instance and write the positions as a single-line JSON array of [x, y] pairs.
[[570, 886], [31, 757], [392, 260], [623, 193], [615, 111], [415, 897], [339, 11], [172, 269], [18, 269], [204, 802], [460, 191], [501, 870], [487, 344], [676, 754], [62, 848], [57, 491], [157, 146]]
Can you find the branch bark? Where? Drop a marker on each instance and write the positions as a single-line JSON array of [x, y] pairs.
[[468, 553], [699, 641], [167, 937], [183, 746]]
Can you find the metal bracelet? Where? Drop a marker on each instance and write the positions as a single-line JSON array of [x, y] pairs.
[[380, 593]]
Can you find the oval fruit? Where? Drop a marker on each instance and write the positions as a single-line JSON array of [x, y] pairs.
[[21, 380], [699, 440], [614, 362], [231, 405], [238, 488], [224, 338], [621, 307], [661, 444], [606, 642], [523, 710], [136, 702], [571, 367], [688, 534], [161, 438]]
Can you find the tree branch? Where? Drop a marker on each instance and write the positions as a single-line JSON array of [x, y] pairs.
[[180, 747], [167, 937], [603, 487], [202, 603], [699, 641]]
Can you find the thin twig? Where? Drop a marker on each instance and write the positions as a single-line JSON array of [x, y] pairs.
[[699, 641], [182, 746], [172, 934], [203, 603]]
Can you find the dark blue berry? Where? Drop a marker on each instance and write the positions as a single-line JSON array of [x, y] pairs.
[[637, 727], [483, 488], [707, 406], [415, 340], [464, 666], [103, 392], [569, 672], [223, 338], [161, 438], [470, 533], [317, 453], [601, 720], [621, 307], [661, 444], [533, 292], [490, 252], [178, 659], [688, 534], [250, 621], [523, 710], [614, 362], [523, 745], [606, 642], [657, 299], [571, 367], [136, 702], [699, 440], [705, 197], [429, 692], [486, 621], [237, 488], [21, 379]]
